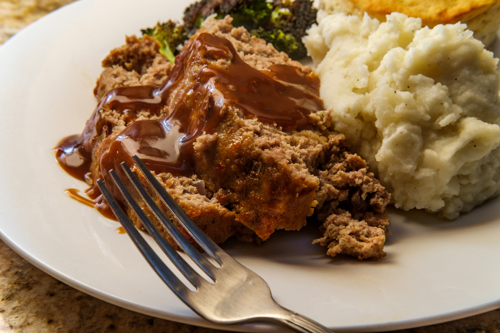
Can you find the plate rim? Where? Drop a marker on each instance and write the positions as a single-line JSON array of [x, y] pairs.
[[194, 319]]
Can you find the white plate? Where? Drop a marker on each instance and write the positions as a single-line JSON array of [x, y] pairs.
[[434, 271]]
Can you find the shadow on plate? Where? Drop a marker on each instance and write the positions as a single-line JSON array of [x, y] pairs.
[[485, 213], [406, 224], [294, 248]]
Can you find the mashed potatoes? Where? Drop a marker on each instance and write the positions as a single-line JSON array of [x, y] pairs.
[[420, 105], [481, 16]]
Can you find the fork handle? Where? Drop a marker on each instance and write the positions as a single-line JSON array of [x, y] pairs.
[[300, 323]]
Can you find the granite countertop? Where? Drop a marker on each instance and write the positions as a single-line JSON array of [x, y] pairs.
[[32, 301]]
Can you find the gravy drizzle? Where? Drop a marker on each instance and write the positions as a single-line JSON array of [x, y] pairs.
[[281, 95]]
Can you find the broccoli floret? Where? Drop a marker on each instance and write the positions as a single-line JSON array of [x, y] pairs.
[[282, 42], [170, 35], [251, 15], [282, 22], [301, 15]]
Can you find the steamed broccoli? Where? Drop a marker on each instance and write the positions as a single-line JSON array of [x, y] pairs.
[[281, 22], [281, 41], [170, 35], [251, 15]]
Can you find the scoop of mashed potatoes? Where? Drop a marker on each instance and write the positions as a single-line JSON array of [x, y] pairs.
[[420, 105]]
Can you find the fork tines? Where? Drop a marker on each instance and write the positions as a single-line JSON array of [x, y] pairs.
[[163, 271], [235, 294]]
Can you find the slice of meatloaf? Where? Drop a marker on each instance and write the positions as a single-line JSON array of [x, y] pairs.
[[233, 131]]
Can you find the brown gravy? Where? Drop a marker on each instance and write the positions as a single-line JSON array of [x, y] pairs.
[[282, 95]]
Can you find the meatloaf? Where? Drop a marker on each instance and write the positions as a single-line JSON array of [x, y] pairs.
[[234, 133]]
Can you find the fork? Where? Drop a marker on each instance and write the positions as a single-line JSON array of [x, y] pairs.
[[231, 294]]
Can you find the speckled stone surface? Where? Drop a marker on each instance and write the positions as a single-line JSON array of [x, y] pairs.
[[32, 301]]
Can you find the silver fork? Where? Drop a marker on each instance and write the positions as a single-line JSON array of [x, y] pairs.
[[235, 294]]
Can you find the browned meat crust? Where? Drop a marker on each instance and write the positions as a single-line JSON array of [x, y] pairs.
[[251, 178], [260, 173]]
